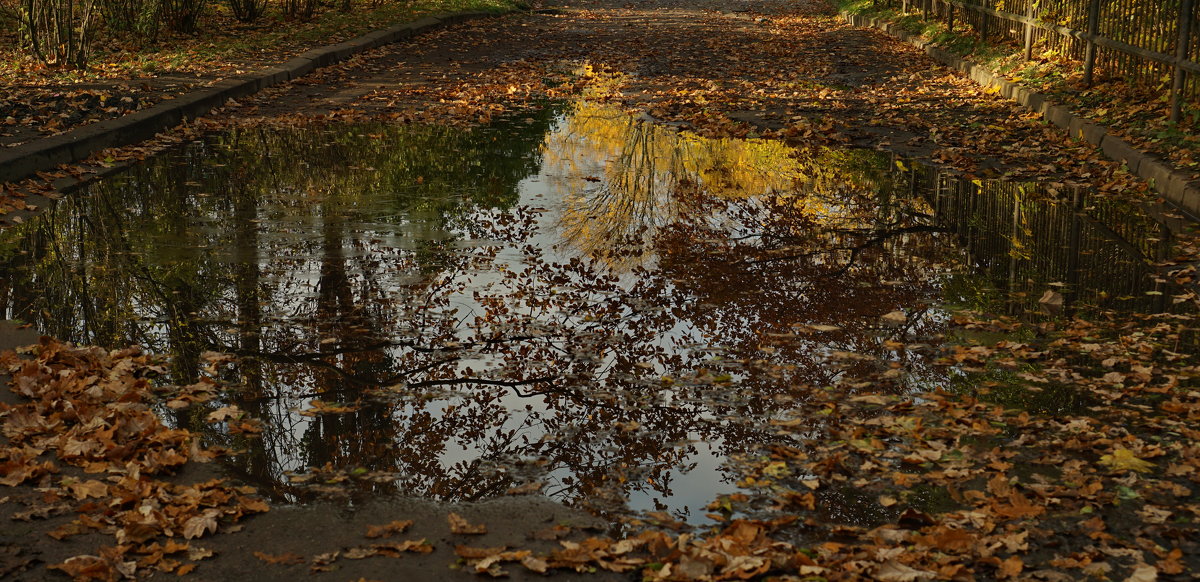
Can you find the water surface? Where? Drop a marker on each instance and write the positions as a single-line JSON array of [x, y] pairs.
[[567, 299]]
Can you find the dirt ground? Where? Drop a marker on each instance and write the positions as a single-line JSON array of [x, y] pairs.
[[787, 69], [285, 543]]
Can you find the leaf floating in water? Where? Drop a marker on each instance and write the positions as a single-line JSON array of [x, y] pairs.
[[811, 327], [1051, 299], [318, 407], [895, 318], [224, 413]]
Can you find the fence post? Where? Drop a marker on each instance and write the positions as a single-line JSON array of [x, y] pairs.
[[985, 21], [1181, 56], [1029, 13], [949, 16], [1093, 26]]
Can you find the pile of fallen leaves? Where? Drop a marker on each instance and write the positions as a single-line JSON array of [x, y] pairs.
[[89, 441]]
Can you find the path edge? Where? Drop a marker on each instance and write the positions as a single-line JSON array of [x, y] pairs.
[[1175, 186], [45, 154]]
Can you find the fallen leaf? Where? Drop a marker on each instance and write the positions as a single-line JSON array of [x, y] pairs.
[[893, 571], [1123, 459], [388, 529], [459, 525], [286, 558]]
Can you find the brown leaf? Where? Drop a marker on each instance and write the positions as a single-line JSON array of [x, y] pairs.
[[286, 558], [1011, 567], [85, 568], [1018, 507], [893, 571], [66, 530], [254, 505], [388, 529], [471, 553], [948, 539], [1143, 573], [491, 564], [552, 533], [460, 525], [201, 524], [224, 413], [535, 564], [85, 489], [196, 554], [360, 553], [394, 549], [323, 562], [914, 519]]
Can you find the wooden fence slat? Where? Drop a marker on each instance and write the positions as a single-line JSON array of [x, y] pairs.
[[1029, 32], [1185, 43]]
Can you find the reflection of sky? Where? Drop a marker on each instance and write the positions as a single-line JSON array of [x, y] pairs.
[[391, 270]]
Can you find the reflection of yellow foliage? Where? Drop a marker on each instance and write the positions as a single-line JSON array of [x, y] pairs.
[[649, 170]]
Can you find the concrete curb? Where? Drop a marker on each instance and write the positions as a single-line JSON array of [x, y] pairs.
[[1175, 186], [25, 160]]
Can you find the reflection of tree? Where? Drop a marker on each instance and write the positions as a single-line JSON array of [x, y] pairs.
[[390, 270], [1096, 250], [209, 250], [643, 165]]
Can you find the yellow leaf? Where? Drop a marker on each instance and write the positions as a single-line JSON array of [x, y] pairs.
[[1123, 460], [776, 470]]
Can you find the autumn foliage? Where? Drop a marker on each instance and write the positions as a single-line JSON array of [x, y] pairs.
[[88, 438]]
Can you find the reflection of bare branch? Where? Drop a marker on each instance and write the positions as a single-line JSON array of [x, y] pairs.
[[912, 320], [878, 237], [460, 381], [307, 356]]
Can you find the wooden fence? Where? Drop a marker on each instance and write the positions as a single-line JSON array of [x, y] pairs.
[[1150, 44]]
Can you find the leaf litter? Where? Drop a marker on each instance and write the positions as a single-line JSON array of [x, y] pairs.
[[87, 437]]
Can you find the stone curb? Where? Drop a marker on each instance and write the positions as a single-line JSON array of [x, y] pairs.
[[1175, 186], [41, 155]]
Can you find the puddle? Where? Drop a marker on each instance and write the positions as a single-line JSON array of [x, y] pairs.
[[568, 299]]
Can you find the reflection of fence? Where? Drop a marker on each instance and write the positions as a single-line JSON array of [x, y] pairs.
[[1149, 43], [1094, 250]]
